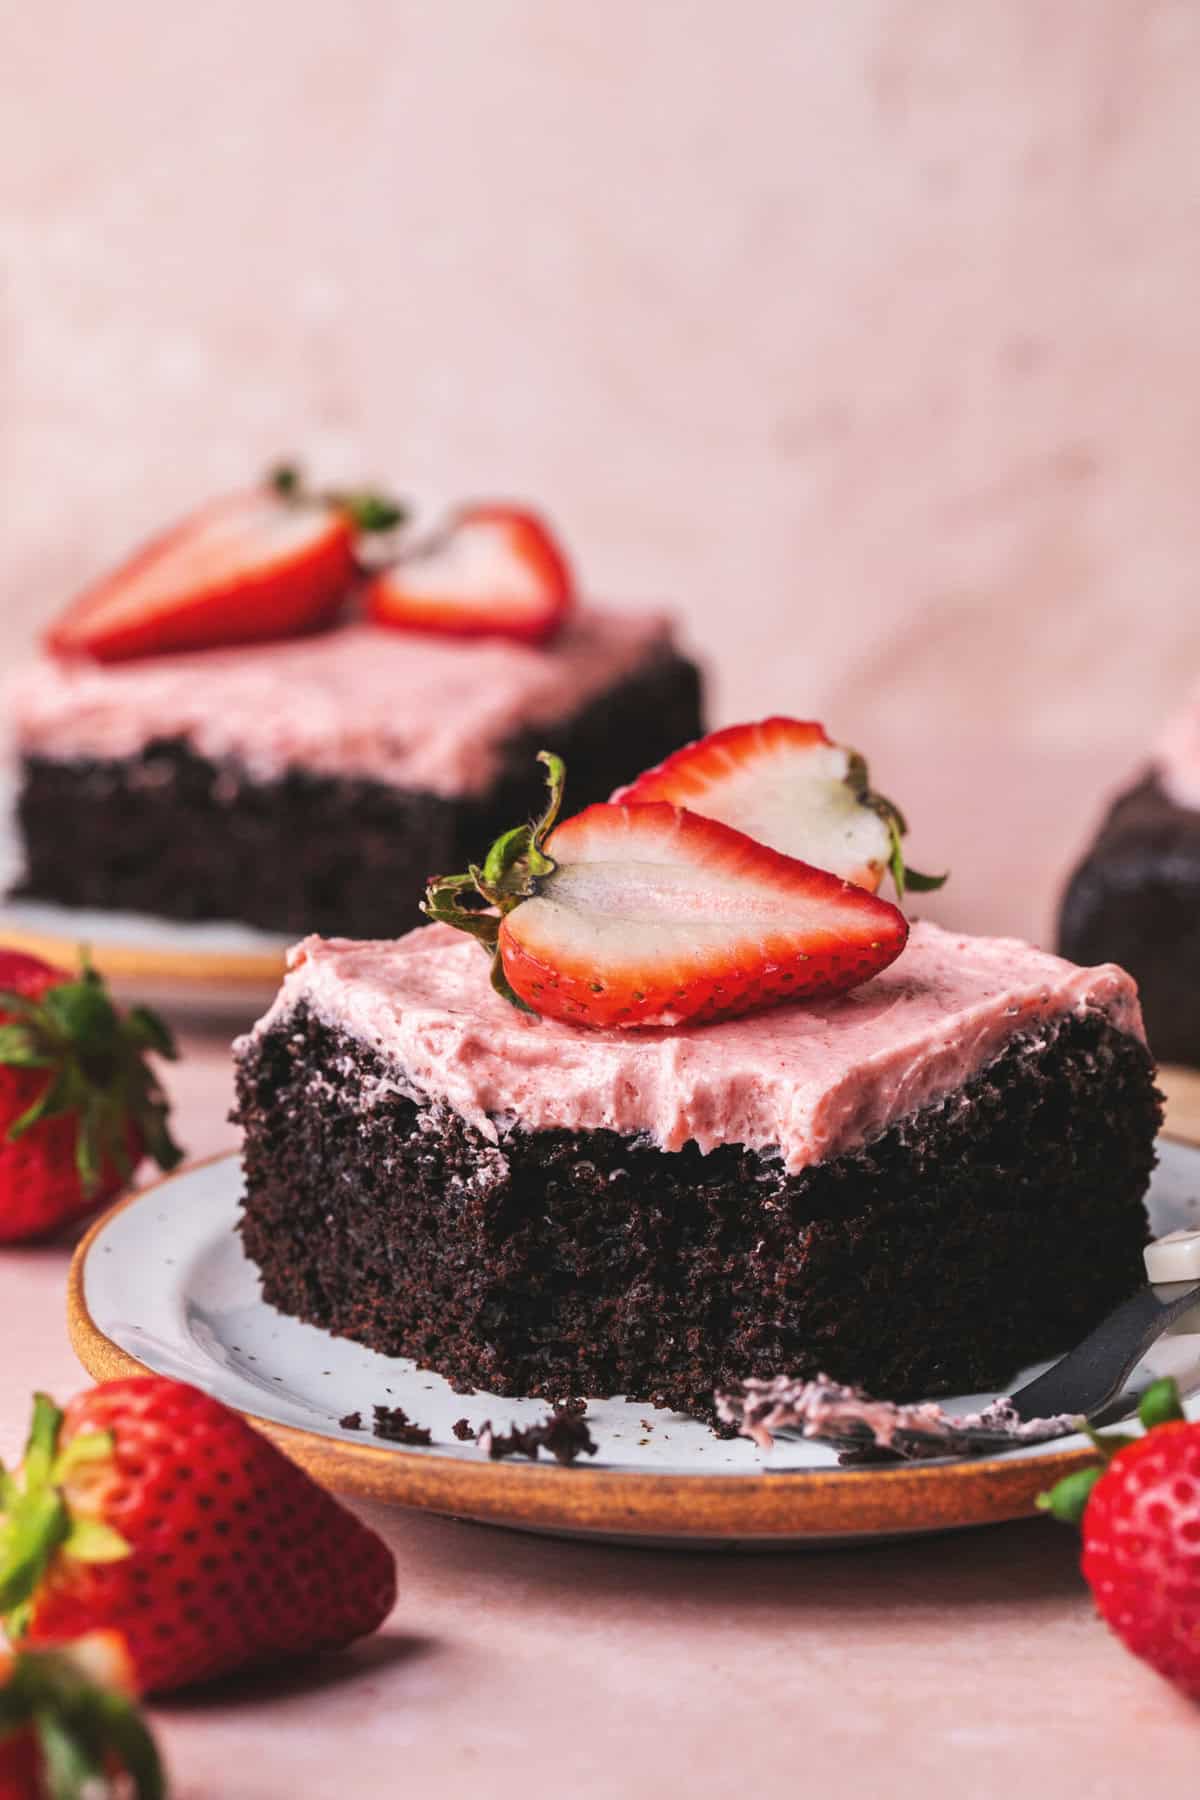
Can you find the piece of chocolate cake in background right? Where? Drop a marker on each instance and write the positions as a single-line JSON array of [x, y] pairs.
[[1135, 896]]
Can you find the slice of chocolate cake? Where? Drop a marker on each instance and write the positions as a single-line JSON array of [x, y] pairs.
[[1135, 896], [314, 784], [917, 1186]]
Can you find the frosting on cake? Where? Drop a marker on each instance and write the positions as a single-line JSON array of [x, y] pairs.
[[411, 710], [809, 1080], [1177, 755]]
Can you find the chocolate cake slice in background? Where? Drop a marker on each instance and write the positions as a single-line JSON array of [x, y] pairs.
[[1135, 899], [315, 785], [919, 1186]]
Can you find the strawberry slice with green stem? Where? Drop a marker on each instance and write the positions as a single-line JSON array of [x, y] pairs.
[[276, 561], [650, 915], [493, 570], [786, 783]]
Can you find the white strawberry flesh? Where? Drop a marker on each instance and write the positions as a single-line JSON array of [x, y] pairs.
[[655, 915], [783, 783]]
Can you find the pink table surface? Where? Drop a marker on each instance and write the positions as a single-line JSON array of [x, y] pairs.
[[970, 1665]]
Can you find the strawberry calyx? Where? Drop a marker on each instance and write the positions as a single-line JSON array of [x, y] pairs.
[[368, 509], [36, 1522], [1067, 1499], [95, 1063], [87, 1731], [510, 873], [906, 879]]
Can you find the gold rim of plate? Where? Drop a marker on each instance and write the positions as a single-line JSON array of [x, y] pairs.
[[140, 962], [814, 1504]]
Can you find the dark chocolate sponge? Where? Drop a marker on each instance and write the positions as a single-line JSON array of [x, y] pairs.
[[978, 1235], [170, 833], [1135, 900]]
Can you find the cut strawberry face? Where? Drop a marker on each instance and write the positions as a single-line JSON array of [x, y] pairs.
[[494, 571], [649, 915], [268, 563], [786, 784]]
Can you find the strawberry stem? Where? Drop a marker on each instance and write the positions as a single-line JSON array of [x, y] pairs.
[[35, 1521], [904, 877], [82, 1728], [368, 509], [510, 873], [1160, 1404], [1068, 1498]]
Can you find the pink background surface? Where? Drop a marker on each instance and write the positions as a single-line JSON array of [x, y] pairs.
[[863, 334]]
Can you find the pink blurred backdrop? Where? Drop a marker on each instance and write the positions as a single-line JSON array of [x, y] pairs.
[[862, 333]]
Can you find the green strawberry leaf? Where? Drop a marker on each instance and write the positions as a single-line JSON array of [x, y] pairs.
[[145, 1028], [82, 1012], [92, 1739], [19, 1049], [96, 1060], [917, 883], [92, 1541], [510, 873], [1160, 1404], [367, 509], [1067, 1499], [87, 1447]]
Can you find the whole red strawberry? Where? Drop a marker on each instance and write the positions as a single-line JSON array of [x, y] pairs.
[[152, 1510], [69, 1727], [79, 1104], [1140, 1518]]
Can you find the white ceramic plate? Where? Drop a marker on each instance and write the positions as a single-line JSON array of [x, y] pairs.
[[161, 1283]]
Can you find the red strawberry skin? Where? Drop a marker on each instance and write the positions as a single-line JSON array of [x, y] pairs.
[[497, 571], [686, 775], [21, 1766], [238, 1557], [39, 1181], [1141, 1550], [646, 967], [764, 778], [246, 568]]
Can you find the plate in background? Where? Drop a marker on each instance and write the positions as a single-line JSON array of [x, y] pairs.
[[160, 1284]]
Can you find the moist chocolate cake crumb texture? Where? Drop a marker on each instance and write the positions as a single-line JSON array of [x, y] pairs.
[[563, 1433], [988, 1230], [1135, 899], [393, 1424], [171, 833], [351, 1422], [463, 1430]]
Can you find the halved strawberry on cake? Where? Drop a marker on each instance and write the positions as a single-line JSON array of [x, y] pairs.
[[261, 717], [691, 1107]]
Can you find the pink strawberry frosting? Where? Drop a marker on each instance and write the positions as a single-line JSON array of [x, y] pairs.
[[1177, 755], [809, 1080], [410, 710]]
